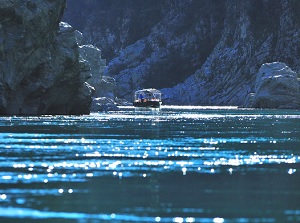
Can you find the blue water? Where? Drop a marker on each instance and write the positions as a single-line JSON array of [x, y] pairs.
[[176, 164]]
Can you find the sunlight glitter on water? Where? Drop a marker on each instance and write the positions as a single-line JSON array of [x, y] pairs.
[[138, 160], [145, 157], [36, 214]]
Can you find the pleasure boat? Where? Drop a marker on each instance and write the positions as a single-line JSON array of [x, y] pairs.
[[147, 98]]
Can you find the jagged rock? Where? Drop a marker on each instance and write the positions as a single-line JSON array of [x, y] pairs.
[[113, 25], [91, 56], [103, 104], [79, 38], [197, 52], [249, 101], [40, 71], [123, 102], [66, 91], [276, 86], [104, 85]]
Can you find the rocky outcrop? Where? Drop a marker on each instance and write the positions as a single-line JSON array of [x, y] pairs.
[[104, 104], [104, 86], [197, 52], [276, 86], [114, 25], [176, 46], [91, 57], [40, 71]]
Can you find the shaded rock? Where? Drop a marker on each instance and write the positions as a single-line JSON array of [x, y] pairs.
[[66, 91], [82, 103], [197, 52], [249, 100], [79, 38], [176, 46], [113, 25], [123, 102], [106, 87], [276, 86], [40, 71]]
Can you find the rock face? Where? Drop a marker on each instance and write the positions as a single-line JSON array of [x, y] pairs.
[[276, 86], [91, 57], [114, 25], [197, 52], [104, 104], [40, 71], [104, 86]]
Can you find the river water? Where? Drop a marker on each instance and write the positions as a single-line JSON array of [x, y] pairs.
[[176, 164]]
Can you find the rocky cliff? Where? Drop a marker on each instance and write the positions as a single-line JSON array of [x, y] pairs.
[[40, 68], [198, 52], [276, 86]]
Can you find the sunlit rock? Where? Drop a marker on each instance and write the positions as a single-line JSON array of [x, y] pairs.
[[276, 86], [91, 57], [103, 104]]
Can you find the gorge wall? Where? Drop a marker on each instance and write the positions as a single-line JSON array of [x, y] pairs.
[[197, 52], [40, 68]]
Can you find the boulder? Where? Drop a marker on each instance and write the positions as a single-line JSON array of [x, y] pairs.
[[276, 86]]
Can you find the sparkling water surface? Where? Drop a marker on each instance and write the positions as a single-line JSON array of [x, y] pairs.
[[176, 164]]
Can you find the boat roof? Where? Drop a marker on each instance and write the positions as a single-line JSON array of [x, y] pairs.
[[151, 90]]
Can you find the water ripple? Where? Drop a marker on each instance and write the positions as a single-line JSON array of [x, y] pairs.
[[137, 160]]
